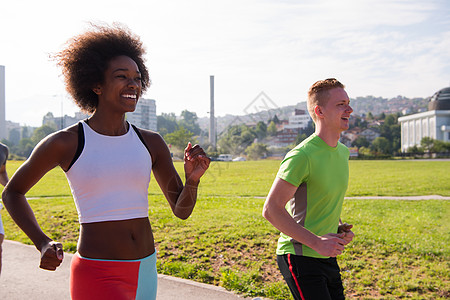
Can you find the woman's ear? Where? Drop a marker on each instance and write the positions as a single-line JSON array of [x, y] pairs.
[[97, 89]]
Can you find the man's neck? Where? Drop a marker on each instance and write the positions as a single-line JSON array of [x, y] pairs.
[[331, 138]]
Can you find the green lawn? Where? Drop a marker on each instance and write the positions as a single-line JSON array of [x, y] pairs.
[[401, 248]]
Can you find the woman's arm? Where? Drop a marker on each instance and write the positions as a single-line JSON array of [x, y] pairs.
[[52, 151], [3, 174], [182, 198]]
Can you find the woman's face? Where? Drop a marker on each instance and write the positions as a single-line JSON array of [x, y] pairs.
[[122, 85]]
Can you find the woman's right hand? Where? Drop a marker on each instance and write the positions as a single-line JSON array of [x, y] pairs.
[[52, 255]]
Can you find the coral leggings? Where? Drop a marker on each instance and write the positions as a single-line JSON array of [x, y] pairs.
[[113, 279]]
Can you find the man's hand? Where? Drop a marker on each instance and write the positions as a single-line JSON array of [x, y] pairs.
[[331, 244], [346, 229], [51, 256]]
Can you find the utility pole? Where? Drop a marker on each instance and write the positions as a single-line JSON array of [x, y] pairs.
[[2, 103]]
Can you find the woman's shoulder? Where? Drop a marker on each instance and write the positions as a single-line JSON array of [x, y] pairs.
[[62, 140], [68, 134], [149, 135], [57, 148], [154, 142]]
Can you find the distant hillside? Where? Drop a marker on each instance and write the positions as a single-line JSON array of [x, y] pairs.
[[364, 105], [224, 121], [361, 106]]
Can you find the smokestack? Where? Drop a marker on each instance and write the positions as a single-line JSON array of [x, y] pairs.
[[2, 104], [212, 121]]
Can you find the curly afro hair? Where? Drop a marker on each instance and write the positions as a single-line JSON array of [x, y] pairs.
[[86, 58]]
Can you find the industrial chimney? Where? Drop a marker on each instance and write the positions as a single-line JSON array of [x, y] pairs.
[[212, 121], [2, 104]]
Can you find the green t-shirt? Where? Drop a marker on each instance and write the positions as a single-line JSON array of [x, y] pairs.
[[321, 174]]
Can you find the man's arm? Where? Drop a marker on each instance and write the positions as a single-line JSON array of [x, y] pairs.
[[274, 211]]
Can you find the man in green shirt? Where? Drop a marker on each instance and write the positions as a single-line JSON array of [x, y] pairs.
[[306, 198]]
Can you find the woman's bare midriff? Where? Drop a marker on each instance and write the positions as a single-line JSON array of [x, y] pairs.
[[127, 239]]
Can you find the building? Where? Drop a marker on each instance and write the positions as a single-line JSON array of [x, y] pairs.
[[348, 137], [2, 104], [286, 137], [370, 134], [14, 132], [144, 115], [288, 130], [63, 122], [434, 123], [299, 120]]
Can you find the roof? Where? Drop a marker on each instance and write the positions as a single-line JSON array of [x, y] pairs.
[[440, 100]]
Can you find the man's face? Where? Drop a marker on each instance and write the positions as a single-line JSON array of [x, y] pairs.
[[336, 112]]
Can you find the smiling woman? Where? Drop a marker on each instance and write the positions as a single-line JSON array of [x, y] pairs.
[[122, 86], [81, 67], [108, 164]]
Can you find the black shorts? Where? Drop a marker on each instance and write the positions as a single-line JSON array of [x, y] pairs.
[[311, 278]]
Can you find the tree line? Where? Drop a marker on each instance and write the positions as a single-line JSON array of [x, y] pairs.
[[251, 141]]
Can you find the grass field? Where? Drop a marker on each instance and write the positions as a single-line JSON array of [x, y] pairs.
[[401, 248]]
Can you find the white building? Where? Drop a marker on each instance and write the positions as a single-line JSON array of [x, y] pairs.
[[63, 122], [434, 123], [299, 120], [145, 114]]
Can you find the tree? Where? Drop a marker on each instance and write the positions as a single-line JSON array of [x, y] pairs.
[[427, 143], [236, 139], [276, 120], [24, 148], [272, 129], [166, 123], [390, 120], [364, 151], [391, 130], [361, 141], [179, 138], [189, 121], [41, 133], [438, 146], [300, 137], [381, 145], [435, 146], [14, 136], [414, 150], [26, 132], [256, 151], [261, 130]]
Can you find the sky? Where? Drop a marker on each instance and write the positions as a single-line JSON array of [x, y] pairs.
[[275, 48]]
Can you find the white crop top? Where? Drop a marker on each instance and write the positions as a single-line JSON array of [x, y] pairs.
[[109, 179]]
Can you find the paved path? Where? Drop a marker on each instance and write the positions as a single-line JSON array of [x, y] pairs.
[[21, 278], [427, 197]]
